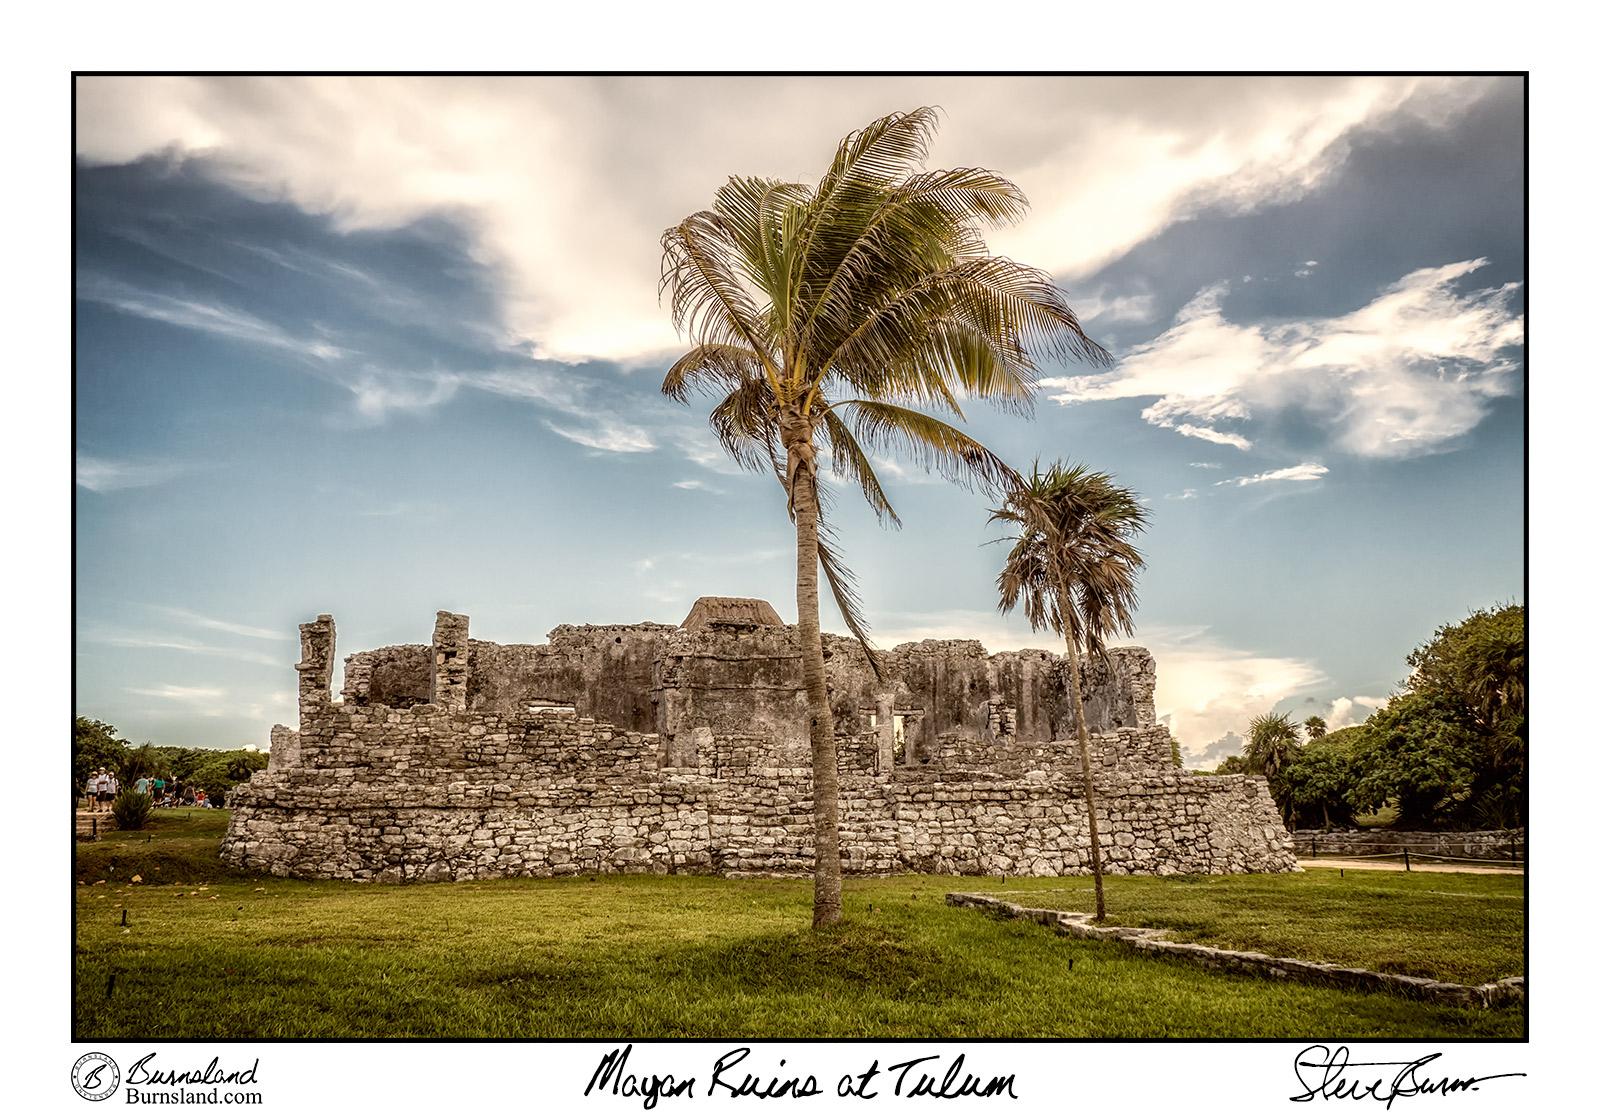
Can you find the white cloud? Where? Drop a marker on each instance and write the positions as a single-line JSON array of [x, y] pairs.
[[1206, 688], [893, 471], [1102, 307], [1398, 377], [566, 183], [223, 625], [1298, 473], [199, 701], [1215, 436], [1344, 714], [607, 436], [187, 645], [101, 476], [378, 394], [202, 316], [697, 444], [699, 485]]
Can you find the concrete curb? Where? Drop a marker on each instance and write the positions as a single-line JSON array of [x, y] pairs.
[[1504, 992]]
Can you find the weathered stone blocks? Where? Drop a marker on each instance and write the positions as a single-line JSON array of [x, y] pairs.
[[427, 770]]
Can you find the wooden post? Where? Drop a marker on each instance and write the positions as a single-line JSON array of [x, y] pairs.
[[1406, 851]]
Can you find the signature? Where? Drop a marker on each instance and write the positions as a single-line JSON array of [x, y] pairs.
[[1326, 1073]]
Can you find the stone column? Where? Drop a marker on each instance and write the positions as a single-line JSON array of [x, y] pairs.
[[315, 666], [1142, 682], [285, 749], [358, 678], [448, 679], [885, 732]]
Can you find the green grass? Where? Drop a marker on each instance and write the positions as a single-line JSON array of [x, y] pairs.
[[175, 845], [229, 956], [1465, 928]]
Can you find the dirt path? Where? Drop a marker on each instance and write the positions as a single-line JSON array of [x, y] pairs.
[[1437, 868]]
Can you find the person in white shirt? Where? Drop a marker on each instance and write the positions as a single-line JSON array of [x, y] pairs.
[[105, 790]]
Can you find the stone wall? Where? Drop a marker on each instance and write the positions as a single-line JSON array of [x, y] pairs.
[[455, 795], [504, 770], [1508, 845], [740, 677]]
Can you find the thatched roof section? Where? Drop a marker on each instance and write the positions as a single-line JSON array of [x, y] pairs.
[[730, 611]]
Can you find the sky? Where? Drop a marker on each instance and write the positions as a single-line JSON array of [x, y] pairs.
[[384, 346]]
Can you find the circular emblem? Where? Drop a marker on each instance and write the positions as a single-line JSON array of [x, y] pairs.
[[95, 1076]]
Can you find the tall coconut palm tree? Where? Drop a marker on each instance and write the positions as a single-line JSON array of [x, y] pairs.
[[1072, 566], [832, 317]]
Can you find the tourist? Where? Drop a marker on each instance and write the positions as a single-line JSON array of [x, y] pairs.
[[105, 789], [142, 785]]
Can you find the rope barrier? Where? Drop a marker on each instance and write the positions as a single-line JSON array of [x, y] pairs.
[[1371, 850]]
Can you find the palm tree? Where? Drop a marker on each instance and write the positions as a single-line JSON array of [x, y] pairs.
[[1274, 743], [1072, 565], [830, 317], [140, 761], [1316, 727]]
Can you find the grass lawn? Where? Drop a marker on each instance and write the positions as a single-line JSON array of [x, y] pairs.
[[1465, 928], [206, 953]]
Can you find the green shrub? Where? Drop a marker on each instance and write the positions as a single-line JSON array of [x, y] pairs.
[[131, 809]]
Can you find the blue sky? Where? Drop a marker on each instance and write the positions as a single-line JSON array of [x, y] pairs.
[[384, 346]]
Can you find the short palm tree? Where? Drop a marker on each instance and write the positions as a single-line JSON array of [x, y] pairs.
[[831, 317], [1274, 743], [1072, 566]]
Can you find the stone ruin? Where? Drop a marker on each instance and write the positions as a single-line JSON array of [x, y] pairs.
[[658, 748]]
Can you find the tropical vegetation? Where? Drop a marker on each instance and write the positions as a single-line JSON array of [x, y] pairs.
[[1072, 566], [131, 808], [1449, 750], [96, 744], [1273, 746], [851, 318]]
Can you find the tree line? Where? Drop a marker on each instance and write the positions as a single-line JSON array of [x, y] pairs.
[[1448, 751], [96, 745]]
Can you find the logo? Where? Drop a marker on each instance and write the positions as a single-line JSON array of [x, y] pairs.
[[95, 1076]]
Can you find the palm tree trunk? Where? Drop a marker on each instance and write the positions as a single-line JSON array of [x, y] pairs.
[[828, 901], [1088, 780]]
